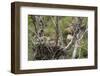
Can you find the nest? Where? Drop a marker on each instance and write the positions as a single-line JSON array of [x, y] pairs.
[[47, 52]]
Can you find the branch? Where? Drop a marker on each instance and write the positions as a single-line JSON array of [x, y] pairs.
[[83, 34], [77, 44], [75, 49], [69, 44]]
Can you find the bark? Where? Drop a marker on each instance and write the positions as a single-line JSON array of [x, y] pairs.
[[57, 31], [39, 28], [75, 49], [59, 37], [77, 43]]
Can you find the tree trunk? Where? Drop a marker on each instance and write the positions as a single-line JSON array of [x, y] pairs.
[[75, 49]]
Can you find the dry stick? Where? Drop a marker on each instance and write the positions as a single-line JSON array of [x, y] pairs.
[[49, 48], [37, 29], [79, 53], [80, 39], [69, 44], [60, 34], [83, 34], [73, 39], [75, 49], [56, 41], [36, 33], [56, 27], [36, 24], [40, 28], [76, 44], [34, 54], [78, 21], [44, 23], [33, 17], [58, 30]]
